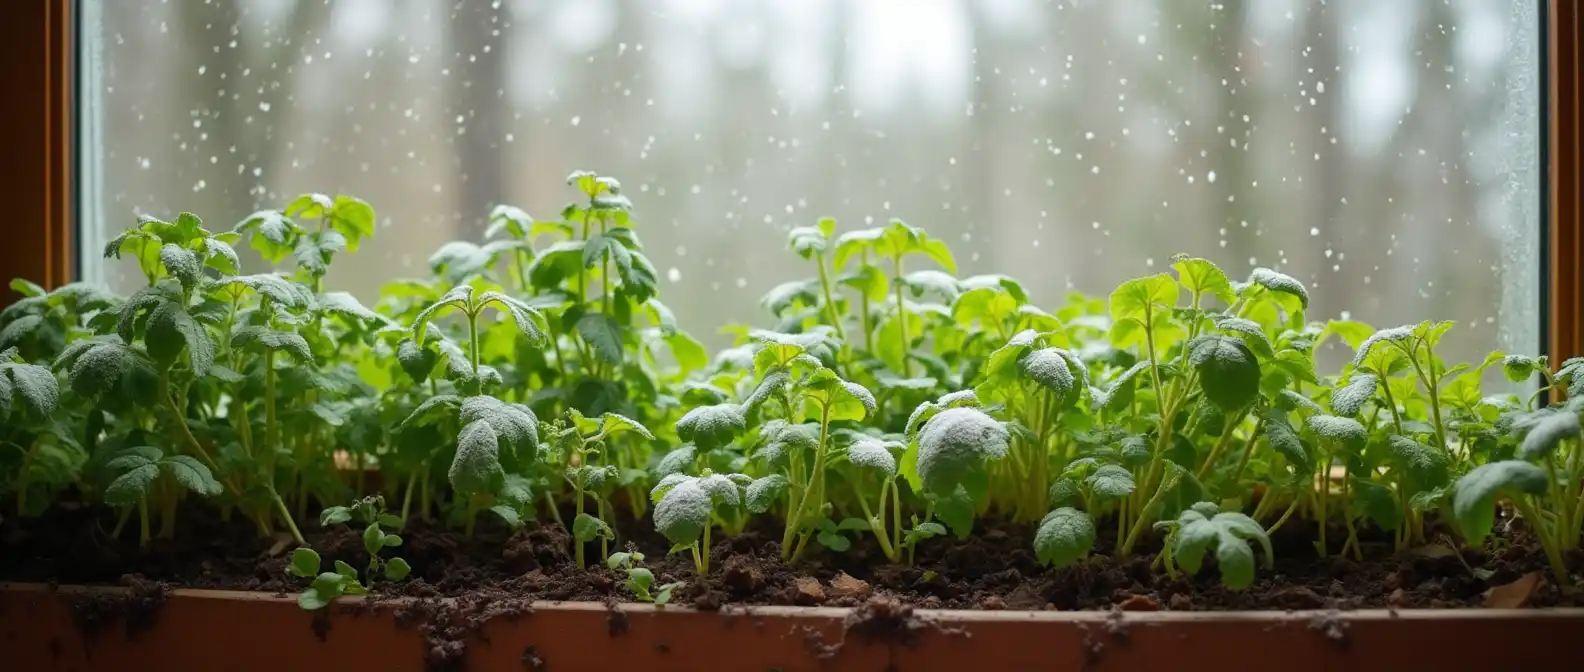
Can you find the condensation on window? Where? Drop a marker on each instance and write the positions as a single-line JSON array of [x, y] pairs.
[[1383, 153]]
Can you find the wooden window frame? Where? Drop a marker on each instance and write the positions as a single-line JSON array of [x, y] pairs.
[[39, 39]]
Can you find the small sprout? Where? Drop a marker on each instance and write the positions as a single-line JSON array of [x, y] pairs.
[[1200, 528]]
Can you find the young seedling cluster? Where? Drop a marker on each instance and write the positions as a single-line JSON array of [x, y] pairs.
[[885, 403]]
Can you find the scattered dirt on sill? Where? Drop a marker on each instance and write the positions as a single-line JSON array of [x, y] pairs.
[[137, 608], [531, 659]]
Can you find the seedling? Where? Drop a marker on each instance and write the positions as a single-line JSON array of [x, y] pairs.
[[640, 580], [327, 586]]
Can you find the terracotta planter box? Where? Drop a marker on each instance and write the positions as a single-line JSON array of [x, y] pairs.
[[42, 629]]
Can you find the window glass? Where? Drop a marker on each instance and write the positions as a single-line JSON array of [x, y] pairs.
[[1384, 153]]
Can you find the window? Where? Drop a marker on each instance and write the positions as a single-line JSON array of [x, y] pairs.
[[1386, 154]]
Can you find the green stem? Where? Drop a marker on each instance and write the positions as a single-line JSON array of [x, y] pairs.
[[863, 312], [1285, 515], [555, 511], [1552, 550], [877, 523], [830, 305], [902, 332], [1347, 519], [143, 523], [1322, 498], [472, 516], [816, 479], [407, 496], [577, 489], [1142, 523], [1220, 446], [473, 351], [1435, 403], [126, 514], [1248, 449], [705, 553], [1391, 404]]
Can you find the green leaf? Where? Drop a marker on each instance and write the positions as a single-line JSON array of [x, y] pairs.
[[1426, 466], [1065, 536], [683, 511], [1205, 278], [1228, 372], [373, 539], [134, 482], [476, 469], [417, 361], [808, 241], [1474, 495], [1281, 284], [764, 492], [604, 334], [529, 321], [191, 474], [1519, 368], [1375, 501], [182, 264], [97, 365], [587, 528], [874, 453], [289, 342], [1048, 367], [1284, 439], [956, 508], [956, 442], [834, 541], [1111, 481], [34, 385], [397, 569], [1141, 297], [1344, 432], [334, 515], [1251, 332], [1229, 533], [1348, 400], [712, 427], [1548, 433], [304, 563]]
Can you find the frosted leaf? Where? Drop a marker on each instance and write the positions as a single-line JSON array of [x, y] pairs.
[[874, 453], [1397, 334], [676, 461], [1290, 400], [763, 492], [1348, 400], [476, 469], [515, 424], [956, 441], [722, 489], [32, 385], [1284, 439], [344, 303], [683, 512], [712, 427], [782, 438], [1426, 465], [1049, 368], [1065, 536], [1250, 331], [1280, 282], [289, 342], [1111, 481], [97, 365], [1346, 431], [935, 282]]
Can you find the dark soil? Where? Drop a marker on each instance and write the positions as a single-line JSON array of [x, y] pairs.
[[501, 573]]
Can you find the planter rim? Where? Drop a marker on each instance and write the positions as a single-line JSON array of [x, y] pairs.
[[938, 615]]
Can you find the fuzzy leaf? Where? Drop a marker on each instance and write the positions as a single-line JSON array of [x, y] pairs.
[[954, 443], [1200, 276], [763, 492], [191, 474], [1548, 433], [1228, 371], [34, 386], [265, 338], [417, 361], [476, 469], [1065, 536], [1280, 283], [1284, 439], [683, 511], [604, 334], [1348, 400], [712, 427], [1250, 331], [1111, 481], [529, 321], [874, 453], [587, 528], [139, 467], [1144, 296], [1343, 431], [1049, 368], [1474, 495], [1426, 466]]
